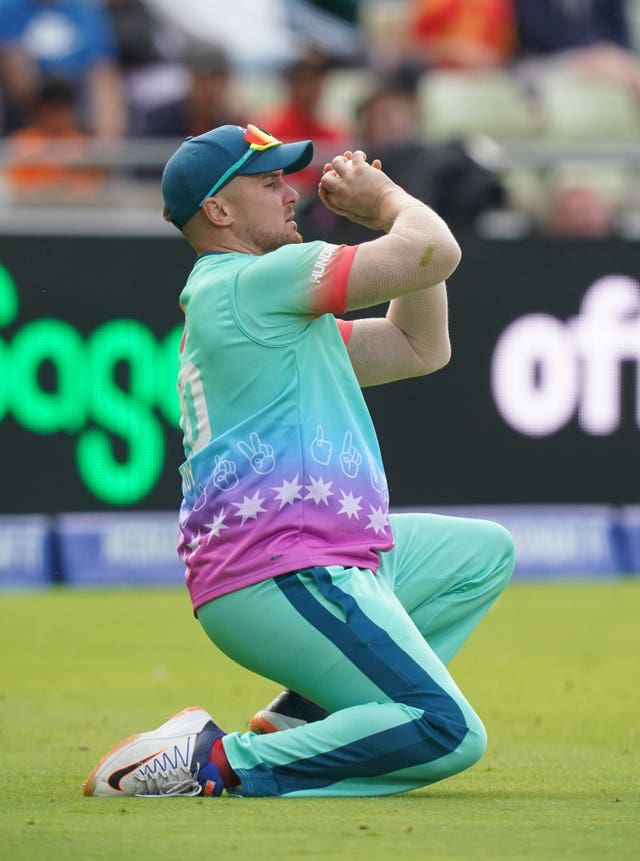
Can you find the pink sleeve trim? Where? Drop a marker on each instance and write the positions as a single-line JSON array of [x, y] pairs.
[[333, 293], [346, 328]]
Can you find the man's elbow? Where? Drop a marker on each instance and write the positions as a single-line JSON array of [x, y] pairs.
[[439, 360], [432, 361], [452, 254], [440, 260]]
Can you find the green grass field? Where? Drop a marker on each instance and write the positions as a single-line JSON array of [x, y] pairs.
[[553, 671]]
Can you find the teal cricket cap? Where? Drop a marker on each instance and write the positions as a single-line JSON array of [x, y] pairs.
[[203, 165]]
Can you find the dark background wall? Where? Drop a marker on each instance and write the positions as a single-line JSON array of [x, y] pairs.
[[539, 403]]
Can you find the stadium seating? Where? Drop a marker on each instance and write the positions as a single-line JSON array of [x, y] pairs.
[[454, 104], [343, 91], [578, 109], [258, 92]]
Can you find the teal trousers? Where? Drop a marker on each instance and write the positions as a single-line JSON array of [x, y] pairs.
[[372, 650]]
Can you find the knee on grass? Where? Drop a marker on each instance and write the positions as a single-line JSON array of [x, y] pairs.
[[472, 747], [500, 552], [475, 743], [458, 758]]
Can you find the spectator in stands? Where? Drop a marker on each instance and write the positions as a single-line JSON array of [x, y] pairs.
[[462, 34], [150, 56], [590, 37], [444, 175], [206, 104], [299, 117], [579, 210], [71, 38], [47, 158]]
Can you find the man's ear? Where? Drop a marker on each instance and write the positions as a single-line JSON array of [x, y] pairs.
[[216, 211]]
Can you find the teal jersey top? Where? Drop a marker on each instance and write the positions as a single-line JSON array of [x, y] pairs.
[[283, 469]]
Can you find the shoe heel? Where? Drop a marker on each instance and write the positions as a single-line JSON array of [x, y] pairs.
[[261, 726]]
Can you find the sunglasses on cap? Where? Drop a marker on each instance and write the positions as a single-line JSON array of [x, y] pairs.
[[258, 141]]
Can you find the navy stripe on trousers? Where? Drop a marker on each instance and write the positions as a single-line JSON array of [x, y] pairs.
[[438, 732]]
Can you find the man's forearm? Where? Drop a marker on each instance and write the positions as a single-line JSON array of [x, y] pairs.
[[423, 318]]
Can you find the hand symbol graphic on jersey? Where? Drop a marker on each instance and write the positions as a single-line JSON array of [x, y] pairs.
[[321, 448], [259, 454], [225, 476], [378, 481], [201, 498], [350, 457]]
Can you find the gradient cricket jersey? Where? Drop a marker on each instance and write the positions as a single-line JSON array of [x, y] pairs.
[[283, 469]]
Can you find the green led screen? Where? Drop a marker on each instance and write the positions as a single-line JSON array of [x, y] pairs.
[[540, 402], [88, 362]]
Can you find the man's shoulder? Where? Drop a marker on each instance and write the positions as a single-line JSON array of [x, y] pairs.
[[291, 258], [293, 254], [213, 267]]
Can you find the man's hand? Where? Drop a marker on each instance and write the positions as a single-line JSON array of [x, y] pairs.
[[360, 191]]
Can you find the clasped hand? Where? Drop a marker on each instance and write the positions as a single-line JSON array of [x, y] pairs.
[[352, 187]]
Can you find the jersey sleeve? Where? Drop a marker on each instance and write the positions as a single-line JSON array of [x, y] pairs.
[[280, 292]]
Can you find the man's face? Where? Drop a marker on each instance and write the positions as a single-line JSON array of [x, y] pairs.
[[261, 206]]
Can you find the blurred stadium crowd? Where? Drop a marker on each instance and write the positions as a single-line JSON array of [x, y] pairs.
[[511, 117]]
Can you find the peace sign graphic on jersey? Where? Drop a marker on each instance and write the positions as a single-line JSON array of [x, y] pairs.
[[260, 454]]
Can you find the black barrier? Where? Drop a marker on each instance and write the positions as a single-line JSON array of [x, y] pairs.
[[540, 402], [541, 399]]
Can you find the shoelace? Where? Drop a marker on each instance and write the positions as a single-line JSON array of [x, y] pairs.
[[178, 781]]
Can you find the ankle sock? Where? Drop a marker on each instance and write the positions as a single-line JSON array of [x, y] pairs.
[[219, 758]]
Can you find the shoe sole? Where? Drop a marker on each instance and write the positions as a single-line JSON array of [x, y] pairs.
[[89, 785]]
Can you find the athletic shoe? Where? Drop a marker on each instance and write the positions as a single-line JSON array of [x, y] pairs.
[[170, 760], [287, 711]]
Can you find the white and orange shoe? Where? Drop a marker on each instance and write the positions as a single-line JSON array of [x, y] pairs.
[[286, 711], [170, 760]]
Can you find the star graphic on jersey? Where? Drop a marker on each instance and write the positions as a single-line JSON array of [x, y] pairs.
[[249, 508], [350, 505], [194, 544], [378, 520], [288, 492], [319, 490], [216, 526]]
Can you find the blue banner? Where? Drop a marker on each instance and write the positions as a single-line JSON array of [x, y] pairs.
[[26, 552], [116, 549], [139, 548]]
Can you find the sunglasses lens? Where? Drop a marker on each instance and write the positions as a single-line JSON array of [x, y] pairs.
[[258, 139]]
